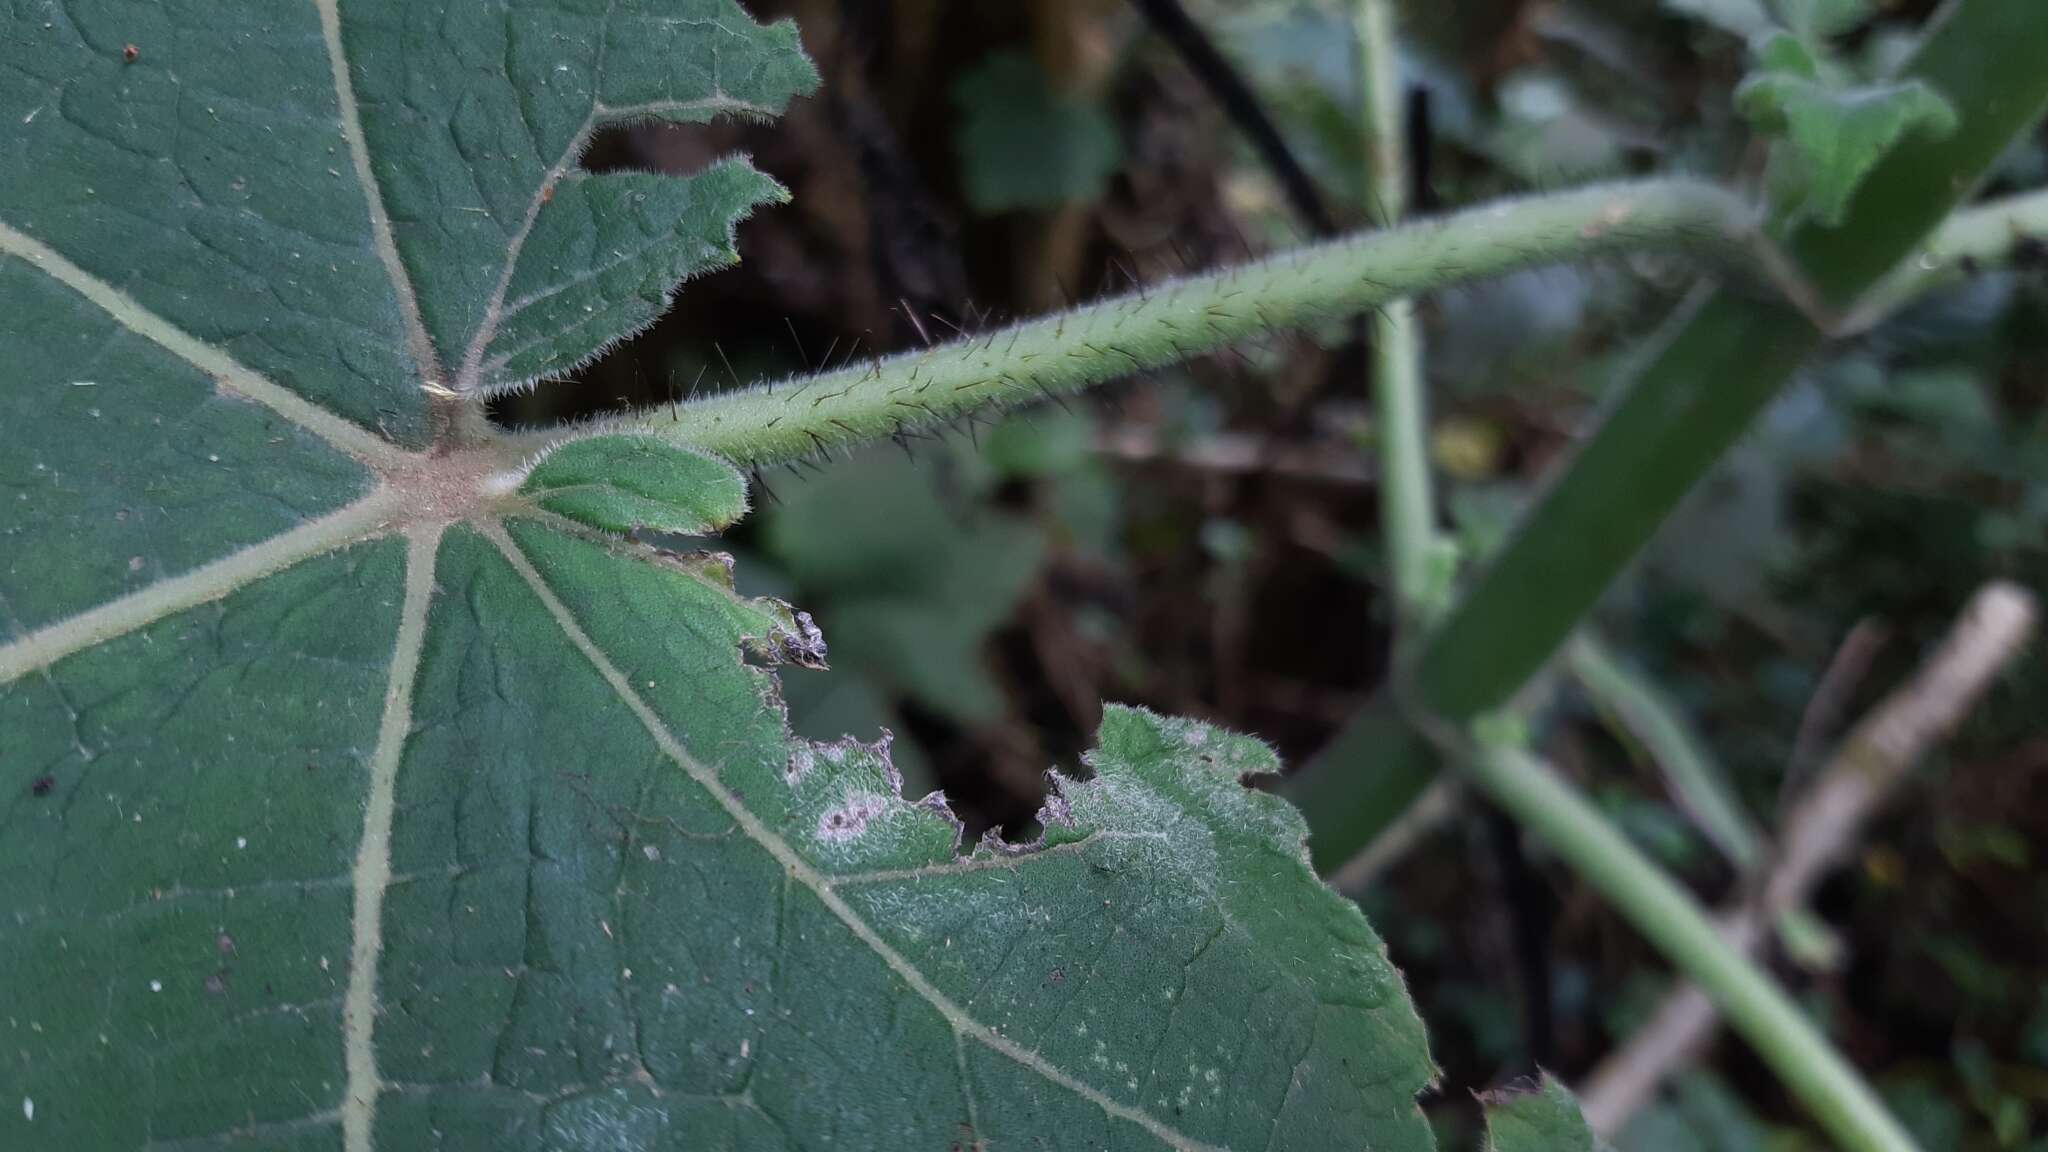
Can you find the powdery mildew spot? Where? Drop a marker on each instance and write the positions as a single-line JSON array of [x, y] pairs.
[[850, 820], [801, 760]]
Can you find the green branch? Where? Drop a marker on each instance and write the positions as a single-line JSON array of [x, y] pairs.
[[1643, 711], [2003, 231], [1407, 501], [1171, 321], [1990, 233], [1671, 919]]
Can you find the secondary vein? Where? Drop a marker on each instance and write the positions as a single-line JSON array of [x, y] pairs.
[[45, 646], [229, 373], [416, 339]]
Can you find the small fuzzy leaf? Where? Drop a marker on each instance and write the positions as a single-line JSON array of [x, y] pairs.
[[624, 483], [1023, 144], [1831, 137], [1545, 1119]]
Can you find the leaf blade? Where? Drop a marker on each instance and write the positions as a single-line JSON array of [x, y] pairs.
[[474, 119], [441, 807], [161, 196]]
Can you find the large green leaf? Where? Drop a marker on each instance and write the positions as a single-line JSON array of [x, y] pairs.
[[361, 786]]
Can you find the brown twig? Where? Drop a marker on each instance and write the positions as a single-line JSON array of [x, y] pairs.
[[1863, 773]]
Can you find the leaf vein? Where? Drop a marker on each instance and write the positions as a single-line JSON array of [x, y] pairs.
[[372, 874], [143, 607], [416, 339], [230, 374], [1009, 862]]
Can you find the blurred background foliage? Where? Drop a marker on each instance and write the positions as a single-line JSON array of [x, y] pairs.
[[1203, 540]]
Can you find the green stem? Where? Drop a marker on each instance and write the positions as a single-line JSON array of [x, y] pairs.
[[1643, 711], [1407, 497], [1379, 90], [1674, 922], [1407, 502], [1646, 713], [766, 424], [1989, 234], [1171, 321], [1723, 358]]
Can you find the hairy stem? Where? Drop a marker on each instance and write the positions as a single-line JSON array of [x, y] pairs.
[[1140, 331], [1171, 321], [1676, 924], [1407, 504]]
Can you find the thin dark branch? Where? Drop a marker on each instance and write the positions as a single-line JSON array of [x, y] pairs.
[[1178, 29]]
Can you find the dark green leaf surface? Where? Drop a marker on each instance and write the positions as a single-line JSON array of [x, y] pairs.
[[360, 796], [475, 114]]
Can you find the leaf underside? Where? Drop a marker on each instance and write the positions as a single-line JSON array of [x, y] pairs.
[[341, 810]]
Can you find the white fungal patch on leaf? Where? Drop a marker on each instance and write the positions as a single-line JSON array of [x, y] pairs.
[[802, 759], [847, 796], [850, 820]]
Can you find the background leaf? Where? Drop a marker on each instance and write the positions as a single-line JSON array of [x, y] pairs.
[[1024, 144]]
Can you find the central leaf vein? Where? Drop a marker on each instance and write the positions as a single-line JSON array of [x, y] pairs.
[[210, 582], [373, 854]]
